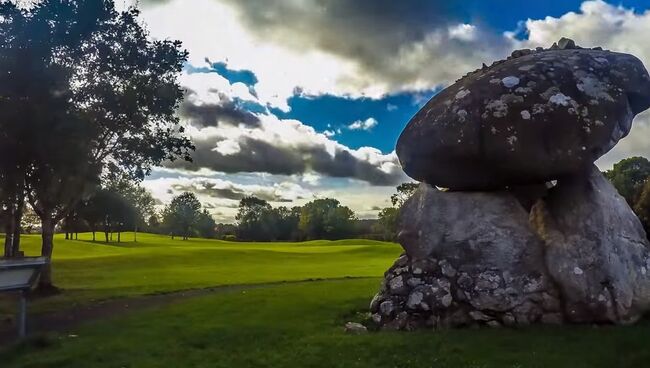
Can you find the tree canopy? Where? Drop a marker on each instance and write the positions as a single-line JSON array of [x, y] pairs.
[[629, 176], [85, 93], [180, 217]]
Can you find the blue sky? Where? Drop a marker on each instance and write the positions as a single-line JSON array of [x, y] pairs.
[[296, 100]]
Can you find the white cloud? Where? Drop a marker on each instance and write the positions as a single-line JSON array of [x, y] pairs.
[[464, 32], [367, 124]]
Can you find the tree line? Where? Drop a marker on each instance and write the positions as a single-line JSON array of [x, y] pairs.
[[631, 177], [85, 97]]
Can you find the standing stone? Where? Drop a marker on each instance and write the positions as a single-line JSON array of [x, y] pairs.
[[472, 254], [596, 250]]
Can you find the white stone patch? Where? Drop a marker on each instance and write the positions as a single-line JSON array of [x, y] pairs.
[[560, 99], [510, 81], [396, 283], [525, 115], [601, 60], [415, 299], [601, 298], [577, 270], [512, 140], [526, 68], [498, 108], [495, 81], [494, 130], [462, 114], [599, 123], [594, 88], [462, 94], [523, 90], [643, 270]]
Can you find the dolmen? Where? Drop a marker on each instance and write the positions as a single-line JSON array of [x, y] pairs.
[[513, 224]]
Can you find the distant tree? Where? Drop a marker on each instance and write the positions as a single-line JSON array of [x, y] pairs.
[[642, 207], [141, 201], [629, 176], [256, 220], [226, 231], [181, 215], [326, 219], [388, 223], [206, 227], [153, 223], [109, 210], [287, 220], [389, 216], [404, 192]]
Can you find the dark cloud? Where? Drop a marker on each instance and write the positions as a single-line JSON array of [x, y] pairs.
[[227, 111], [234, 192], [260, 156], [376, 34]]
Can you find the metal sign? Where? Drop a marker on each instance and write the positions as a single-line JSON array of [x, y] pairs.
[[19, 275]]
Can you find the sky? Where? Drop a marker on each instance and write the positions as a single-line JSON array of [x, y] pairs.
[[293, 100]]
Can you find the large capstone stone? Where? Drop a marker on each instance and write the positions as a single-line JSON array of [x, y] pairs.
[[471, 259], [530, 119], [596, 250]]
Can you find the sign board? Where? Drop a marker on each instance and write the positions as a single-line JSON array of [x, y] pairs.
[[19, 275]]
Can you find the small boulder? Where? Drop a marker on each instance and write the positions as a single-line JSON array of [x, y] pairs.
[[354, 328]]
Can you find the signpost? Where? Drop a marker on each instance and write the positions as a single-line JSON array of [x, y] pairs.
[[19, 275]]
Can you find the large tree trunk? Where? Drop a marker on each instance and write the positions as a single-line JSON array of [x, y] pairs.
[[9, 233], [119, 237], [93, 234], [135, 233], [18, 217], [48, 224], [8, 240]]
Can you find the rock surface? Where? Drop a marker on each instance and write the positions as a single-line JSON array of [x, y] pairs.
[[596, 250], [530, 119], [354, 328], [471, 258]]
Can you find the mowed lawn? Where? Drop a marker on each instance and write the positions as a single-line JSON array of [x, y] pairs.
[[89, 270], [279, 325]]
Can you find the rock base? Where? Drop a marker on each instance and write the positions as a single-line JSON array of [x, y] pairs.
[[431, 293], [480, 258]]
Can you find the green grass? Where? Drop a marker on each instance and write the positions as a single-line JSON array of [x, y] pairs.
[[90, 271], [299, 325], [282, 325]]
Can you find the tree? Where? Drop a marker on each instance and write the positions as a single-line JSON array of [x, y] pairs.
[[85, 92], [642, 207], [404, 192], [256, 220], [326, 219], [388, 223], [389, 216], [141, 201], [206, 227], [629, 176], [182, 214]]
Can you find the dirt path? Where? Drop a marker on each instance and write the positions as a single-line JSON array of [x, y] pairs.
[[67, 319]]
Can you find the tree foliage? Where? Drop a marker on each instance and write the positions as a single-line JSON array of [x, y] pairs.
[[181, 215], [404, 192], [642, 207], [326, 219], [84, 93], [629, 176]]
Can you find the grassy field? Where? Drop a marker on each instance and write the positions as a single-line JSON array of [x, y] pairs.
[[91, 271], [284, 325]]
